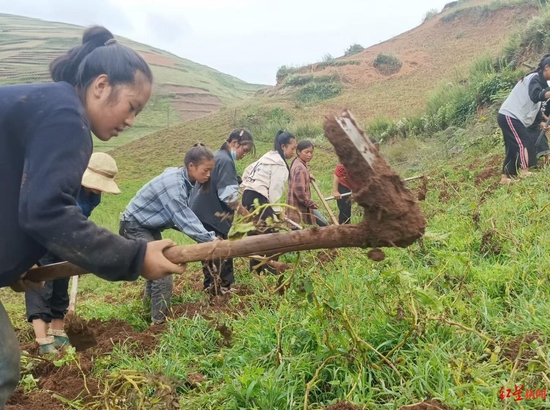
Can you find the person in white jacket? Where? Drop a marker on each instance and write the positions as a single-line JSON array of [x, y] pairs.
[[265, 179]]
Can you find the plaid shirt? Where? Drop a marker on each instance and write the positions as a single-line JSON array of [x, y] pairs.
[[299, 194], [163, 203]]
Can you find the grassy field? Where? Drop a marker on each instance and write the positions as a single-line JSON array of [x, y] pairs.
[[458, 315], [449, 323]]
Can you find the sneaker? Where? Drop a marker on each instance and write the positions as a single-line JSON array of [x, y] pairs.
[[46, 346], [60, 341], [60, 338], [48, 349]]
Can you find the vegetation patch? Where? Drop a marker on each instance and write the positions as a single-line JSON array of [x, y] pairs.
[[387, 64], [430, 14], [318, 91], [353, 49]]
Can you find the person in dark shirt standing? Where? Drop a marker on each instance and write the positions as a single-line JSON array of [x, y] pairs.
[[46, 307], [216, 206], [45, 146]]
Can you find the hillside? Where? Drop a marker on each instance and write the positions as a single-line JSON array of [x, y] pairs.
[[183, 89], [438, 50]]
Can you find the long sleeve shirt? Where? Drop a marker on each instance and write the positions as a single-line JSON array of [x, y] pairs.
[[222, 193], [299, 194], [45, 146], [163, 203], [525, 100]]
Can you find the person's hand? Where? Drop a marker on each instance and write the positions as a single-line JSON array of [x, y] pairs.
[[311, 177], [544, 126], [337, 195], [23, 285], [155, 264], [315, 206]]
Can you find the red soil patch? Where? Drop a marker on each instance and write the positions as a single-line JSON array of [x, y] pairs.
[[157, 59], [342, 406], [519, 345], [427, 405]]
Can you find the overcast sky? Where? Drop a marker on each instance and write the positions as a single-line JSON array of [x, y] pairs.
[[249, 39]]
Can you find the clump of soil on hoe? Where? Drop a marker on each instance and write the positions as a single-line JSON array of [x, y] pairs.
[[392, 216]]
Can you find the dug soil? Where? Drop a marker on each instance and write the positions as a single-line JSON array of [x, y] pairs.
[[342, 406], [427, 405]]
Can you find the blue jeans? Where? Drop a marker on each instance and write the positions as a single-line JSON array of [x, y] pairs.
[[319, 218], [160, 290], [10, 358]]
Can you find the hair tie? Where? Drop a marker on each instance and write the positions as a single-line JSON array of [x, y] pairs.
[[110, 41], [241, 133]]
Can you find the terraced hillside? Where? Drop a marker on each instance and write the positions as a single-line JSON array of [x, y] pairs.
[[183, 90]]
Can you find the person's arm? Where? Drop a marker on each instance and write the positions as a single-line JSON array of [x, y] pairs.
[[335, 183], [186, 221], [300, 181], [277, 186], [228, 188], [536, 92], [57, 154]]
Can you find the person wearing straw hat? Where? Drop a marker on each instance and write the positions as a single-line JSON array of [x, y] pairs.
[[46, 307]]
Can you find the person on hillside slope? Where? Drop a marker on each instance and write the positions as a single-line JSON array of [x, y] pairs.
[[216, 206], [163, 203], [519, 111], [342, 184], [46, 307], [264, 180], [299, 192], [45, 146]]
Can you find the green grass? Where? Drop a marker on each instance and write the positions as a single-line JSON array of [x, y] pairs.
[[450, 307]]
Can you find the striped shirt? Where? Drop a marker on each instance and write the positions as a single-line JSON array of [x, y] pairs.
[[163, 203]]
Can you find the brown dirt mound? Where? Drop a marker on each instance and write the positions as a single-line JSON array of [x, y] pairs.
[[117, 332], [512, 350], [376, 255], [33, 401], [391, 214], [342, 405], [427, 405]]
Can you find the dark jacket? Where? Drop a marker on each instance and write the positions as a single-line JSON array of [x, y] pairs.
[[223, 179], [45, 146]]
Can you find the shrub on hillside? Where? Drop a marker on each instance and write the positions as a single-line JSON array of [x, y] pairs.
[[327, 58], [317, 91], [283, 72], [387, 64], [451, 104], [430, 14], [296, 80], [263, 124], [534, 38], [353, 49], [336, 63]]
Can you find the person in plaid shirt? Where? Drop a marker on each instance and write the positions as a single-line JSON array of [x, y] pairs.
[[299, 194]]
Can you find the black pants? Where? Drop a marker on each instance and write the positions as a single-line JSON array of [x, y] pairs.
[[344, 205], [542, 147], [52, 300], [223, 267], [248, 202], [517, 140]]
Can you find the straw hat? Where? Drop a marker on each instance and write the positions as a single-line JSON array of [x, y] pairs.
[[100, 173]]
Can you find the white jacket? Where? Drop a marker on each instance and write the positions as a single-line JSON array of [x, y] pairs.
[[267, 176]]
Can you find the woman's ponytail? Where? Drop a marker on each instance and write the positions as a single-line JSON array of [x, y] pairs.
[[99, 54]]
